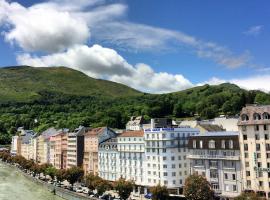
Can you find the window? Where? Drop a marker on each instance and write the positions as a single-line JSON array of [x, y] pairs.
[[194, 144], [173, 166], [248, 183], [164, 150], [165, 182], [231, 144], [266, 136], [173, 173], [256, 127], [246, 147], [226, 176], [258, 155], [247, 164], [257, 137], [247, 173], [164, 166], [233, 177], [201, 144], [227, 188], [164, 158], [172, 158], [244, 128], [211, 144], [265, 127], [256, 116], [223, 146], [260, 183], [258, 147], [165, 174], [266, 115], [244, 117], [245, 137], [234, 188]]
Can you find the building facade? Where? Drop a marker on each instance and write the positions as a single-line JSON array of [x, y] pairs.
[[254, 124], [75, 147], [166, 157], [216, 155], [130, 145]]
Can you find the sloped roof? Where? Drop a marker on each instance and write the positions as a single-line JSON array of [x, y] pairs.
[[132, 134], [211, 127]]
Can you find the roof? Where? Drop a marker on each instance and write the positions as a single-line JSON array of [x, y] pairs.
[[132, 134], [211, 127], [78, 131], [28, 135], [95, 131], [217, 134]]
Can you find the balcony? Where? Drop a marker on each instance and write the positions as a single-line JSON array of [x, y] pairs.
[[216, 157]]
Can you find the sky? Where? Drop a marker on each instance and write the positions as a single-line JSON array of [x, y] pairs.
[[154, 46]]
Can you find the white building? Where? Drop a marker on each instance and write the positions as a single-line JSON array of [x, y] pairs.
[[216, 155], [166, 157], [130, 147], [254, 125], [14, 144]]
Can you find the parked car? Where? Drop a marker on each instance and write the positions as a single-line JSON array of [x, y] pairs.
[[79, 190]]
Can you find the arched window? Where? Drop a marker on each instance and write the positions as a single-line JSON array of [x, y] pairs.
[[211, 144], [256, 116], [244, 117], [266, 115]]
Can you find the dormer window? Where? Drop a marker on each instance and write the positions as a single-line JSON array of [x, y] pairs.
[[266, 115], [256, 116], [244, 117], [211, 144]]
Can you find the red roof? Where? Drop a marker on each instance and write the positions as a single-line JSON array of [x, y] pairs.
[[132, 134]]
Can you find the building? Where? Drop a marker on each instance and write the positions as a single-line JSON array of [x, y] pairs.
[[92, 139], [108, 157], [58, 149], [216, 155], [130, 145], [227, 123], [254, 124], [15, 146], [135, 123], [42, 143], [165, 157], [26, 147], [75, 147]]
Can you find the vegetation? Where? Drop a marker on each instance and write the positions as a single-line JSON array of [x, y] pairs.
[[198, 188], [39, 98], [249, 196], [123, 187], [159, 192], [74, 174]]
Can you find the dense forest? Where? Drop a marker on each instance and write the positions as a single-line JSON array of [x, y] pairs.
[[111, 105]]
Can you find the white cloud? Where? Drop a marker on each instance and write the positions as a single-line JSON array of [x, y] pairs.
[[59, 24], [254, 30], [42, 28], [257, 82], [101, 62]]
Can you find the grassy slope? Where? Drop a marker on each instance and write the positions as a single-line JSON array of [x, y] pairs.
[[24, 83]]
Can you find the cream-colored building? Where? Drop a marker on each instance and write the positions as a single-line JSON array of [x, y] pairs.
[[254, 124], [43, 146]]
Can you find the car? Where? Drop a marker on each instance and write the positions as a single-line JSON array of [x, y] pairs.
[[85, 190], [79, 189]]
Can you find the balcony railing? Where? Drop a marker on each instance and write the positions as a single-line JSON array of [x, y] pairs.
[[216, 157]]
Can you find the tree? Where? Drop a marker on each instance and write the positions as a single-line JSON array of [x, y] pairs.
[[249, 196], [197, 188], [123, 187], [61, 174], [159, 192], [102, 186], [51, 171], [91, 181], [74, 174]]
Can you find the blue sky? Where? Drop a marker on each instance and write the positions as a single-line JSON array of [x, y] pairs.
[[154, 46]]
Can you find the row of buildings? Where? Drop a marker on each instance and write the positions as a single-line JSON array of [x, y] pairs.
[[233, 154]]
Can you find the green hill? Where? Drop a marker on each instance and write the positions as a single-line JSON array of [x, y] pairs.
[[25, 83], [38, 98]]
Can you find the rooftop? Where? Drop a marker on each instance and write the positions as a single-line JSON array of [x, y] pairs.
[[217, 134], [132, 134]]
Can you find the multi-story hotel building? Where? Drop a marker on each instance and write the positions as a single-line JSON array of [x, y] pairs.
[[254, 124], [26, 146], [75, 147], [216, 155], [92, 139], [130, 145], [166, 156], [58, 149]]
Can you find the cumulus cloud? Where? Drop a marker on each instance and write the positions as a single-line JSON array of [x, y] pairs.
[[101, 62], [254, 30], [257, 82], [42, 28]]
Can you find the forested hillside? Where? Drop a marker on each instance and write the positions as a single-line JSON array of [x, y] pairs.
[[38, 98]]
